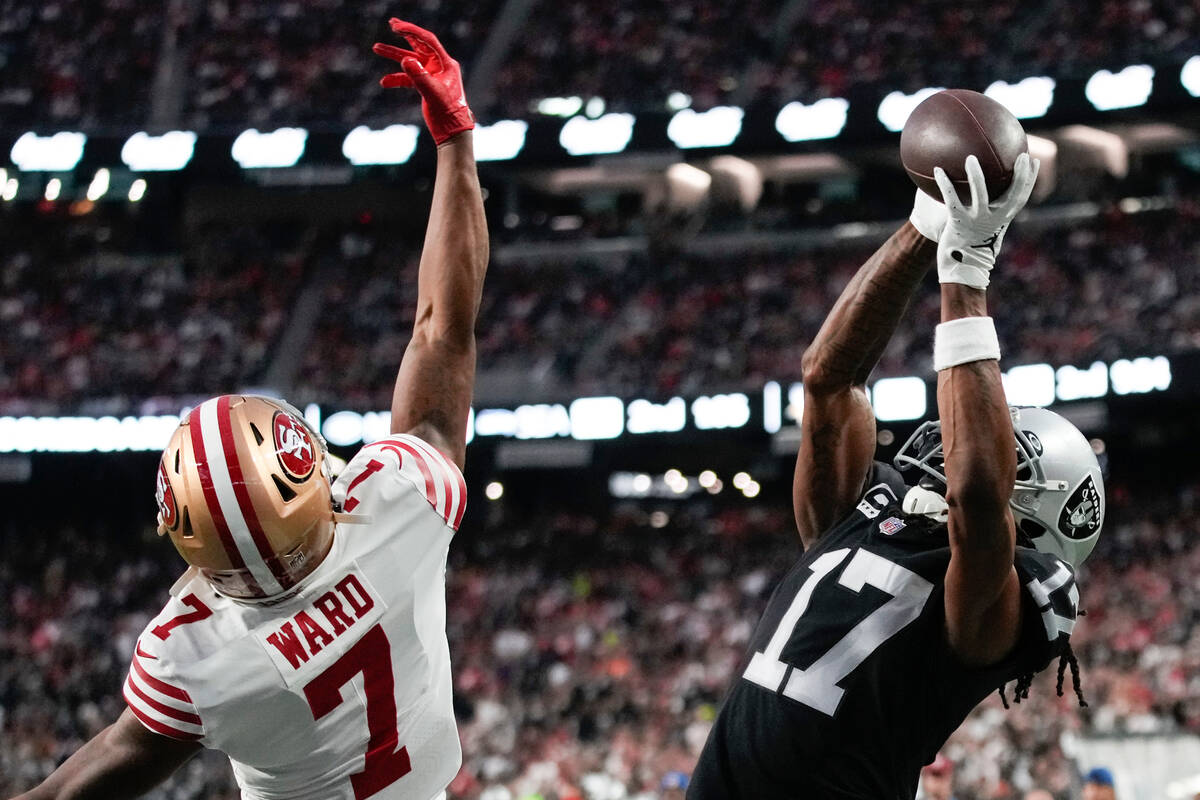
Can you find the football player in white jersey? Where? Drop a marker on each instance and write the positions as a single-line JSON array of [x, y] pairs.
[[307, 639]]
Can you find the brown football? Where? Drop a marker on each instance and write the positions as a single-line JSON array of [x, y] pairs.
[[953, 124]]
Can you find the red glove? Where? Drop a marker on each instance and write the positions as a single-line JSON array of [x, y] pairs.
[[433, 73]]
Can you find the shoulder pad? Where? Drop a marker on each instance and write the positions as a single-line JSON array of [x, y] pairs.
[[1050, 582]]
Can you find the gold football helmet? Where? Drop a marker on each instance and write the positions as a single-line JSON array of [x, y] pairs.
[[244, 493]]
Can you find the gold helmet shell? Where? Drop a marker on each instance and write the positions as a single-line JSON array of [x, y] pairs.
[[244, 493]]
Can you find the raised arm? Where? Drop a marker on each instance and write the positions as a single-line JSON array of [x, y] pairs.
[[124, 760], [982, 592], [837, 432], [433, 391]]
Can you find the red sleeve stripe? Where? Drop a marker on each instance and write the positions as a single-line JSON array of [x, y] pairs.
[[432, 487], [160, 686], [431, 463], [456, 500], [159, 727], [162, 708]]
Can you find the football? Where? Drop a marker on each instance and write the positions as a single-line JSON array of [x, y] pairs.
[[953, 124]]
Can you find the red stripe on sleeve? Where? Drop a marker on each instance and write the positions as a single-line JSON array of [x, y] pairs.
[[427, 474], [163, 708], [158, 727], [160, 686], [210, 494]]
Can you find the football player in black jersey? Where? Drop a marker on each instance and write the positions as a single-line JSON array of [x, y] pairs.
[[910, 604]]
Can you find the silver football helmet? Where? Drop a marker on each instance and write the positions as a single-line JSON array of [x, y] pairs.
[[1058, 499]]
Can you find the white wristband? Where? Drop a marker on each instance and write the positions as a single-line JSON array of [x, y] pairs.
[[961, 341]]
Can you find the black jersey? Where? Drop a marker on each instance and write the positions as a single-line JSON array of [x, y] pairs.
[[850, 686]]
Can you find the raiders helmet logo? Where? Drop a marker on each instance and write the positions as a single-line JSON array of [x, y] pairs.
[[1034, 441], [1080, 517], [293, 446], [165, 498]]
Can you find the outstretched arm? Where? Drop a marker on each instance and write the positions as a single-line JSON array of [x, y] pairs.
[[437, 374], [982, 592], [124, 760], [837, 432]]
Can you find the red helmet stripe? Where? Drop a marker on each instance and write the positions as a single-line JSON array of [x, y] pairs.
[[245, 505], [210, 493]]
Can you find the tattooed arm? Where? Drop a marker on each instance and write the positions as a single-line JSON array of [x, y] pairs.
[[837, 432]]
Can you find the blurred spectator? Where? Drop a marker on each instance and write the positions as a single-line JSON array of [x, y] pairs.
[[1098, 785], [937, 780]]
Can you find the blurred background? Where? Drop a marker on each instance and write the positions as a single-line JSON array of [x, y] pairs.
[[200, 198]]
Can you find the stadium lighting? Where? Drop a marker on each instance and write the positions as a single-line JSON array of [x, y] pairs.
[[895, 109], [394, 144], [647, 417], [717, 127], [594, 107], [1189, 76], [1140, 375], [1128, 88], [676, 101], [85, 434], [57, 153], [501, 140], [772, 407], [171, 151], [1077, 384], [99, 185], [741, 480], [597, 418], [824, 119], [1027, 99], [560, 106], [494, 490], [707, 479], [53, 189], [752, 489], [642, 483], [137, 190], [1029, 385], [899, 399], [10, 189], [279, 148], [610, 133], [721, 411]]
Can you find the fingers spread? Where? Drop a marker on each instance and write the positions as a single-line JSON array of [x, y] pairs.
[[419, 38], [397, 80], [949, 194], [392, 52], [975, 179]]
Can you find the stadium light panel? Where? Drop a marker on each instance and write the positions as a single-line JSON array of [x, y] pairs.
[[560, 106], [279, 148], [137, 190], [717, 127], [610, 133], [772, 407], [647, 417], [99, 185], [1029, 385], [895, 109], [53, 189], [597, 418], [1129, 88], [1077, 384], [171, 151], [676, 101], [542, 421], [898, 399], [494, 490], [501, 140], [1027, 99], [10, 189], [1140, 375], [721, 411], [824, 119], [57, 153], [395, 144], [1189, 76], [85, 434]]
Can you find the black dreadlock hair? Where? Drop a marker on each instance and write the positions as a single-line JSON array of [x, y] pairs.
[[1065, 660]]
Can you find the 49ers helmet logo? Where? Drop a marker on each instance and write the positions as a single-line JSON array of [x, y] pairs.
[[293, 446], [165, 498]]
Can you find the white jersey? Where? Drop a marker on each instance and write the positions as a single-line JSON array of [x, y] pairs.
[[342, 691]]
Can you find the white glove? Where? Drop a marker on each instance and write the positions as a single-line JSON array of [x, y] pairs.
[[970, 242], [928, 216]]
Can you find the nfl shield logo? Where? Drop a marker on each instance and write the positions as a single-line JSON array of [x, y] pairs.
[[891, 525]]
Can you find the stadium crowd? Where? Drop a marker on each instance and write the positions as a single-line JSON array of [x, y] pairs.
[[591, 650], [88, 325], [239, 63]]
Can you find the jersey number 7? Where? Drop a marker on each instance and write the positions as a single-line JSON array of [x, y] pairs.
[[372, 656], [816, 685]]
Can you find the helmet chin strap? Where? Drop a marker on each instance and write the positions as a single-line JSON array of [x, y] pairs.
[[919, 500]]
